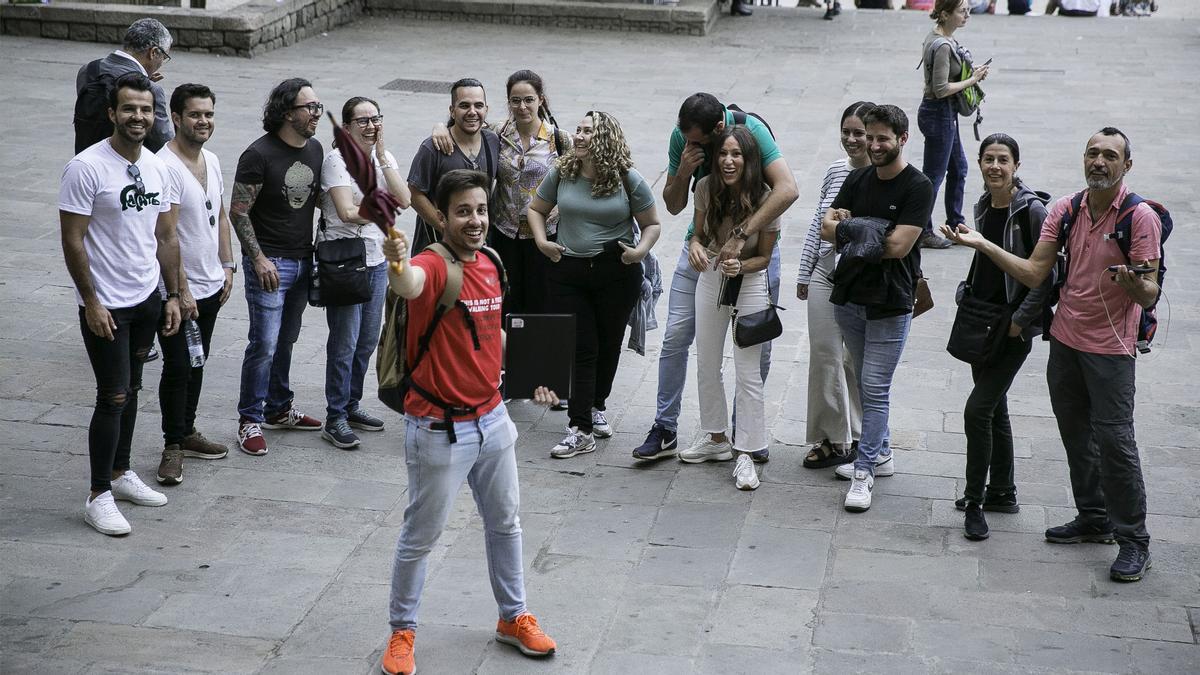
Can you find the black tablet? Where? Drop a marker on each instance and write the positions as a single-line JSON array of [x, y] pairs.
[[539, 352]]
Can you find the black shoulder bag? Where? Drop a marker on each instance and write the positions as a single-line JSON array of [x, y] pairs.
[[750, 329], [980, 327], [340, 276]]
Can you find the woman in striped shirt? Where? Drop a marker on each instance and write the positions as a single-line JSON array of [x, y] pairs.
[[834, 412]]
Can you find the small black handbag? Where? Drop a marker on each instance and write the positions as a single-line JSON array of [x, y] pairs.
[[751, 329], [980, 327], [340, 275]]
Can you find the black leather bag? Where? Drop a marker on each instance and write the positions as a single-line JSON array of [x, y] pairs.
[[751, 329], [340, 274], [980, 327]]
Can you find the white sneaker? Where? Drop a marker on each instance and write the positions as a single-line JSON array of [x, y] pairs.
[[102, 514], [745, 477], [885, 465], [130, 488], [858, 497], [600, 426], [574, 443], [707, 450]]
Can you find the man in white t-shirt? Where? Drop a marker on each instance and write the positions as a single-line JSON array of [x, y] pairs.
[[117, 235], [206, 273]]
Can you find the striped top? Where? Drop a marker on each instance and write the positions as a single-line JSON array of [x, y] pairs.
[[814, 246]]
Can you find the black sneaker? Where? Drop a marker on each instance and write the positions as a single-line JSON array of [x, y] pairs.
[[975, 526], [360, 419], [933, 240], [660, 443], [337, 431], [1131, 564], [761, 456], [1002, 502], [1075, 532]]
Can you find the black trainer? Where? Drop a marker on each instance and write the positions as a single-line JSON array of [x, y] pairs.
[[1075, 532], [660, 443], [998, 502], [361, 419], [1131, 564], [975, 526]]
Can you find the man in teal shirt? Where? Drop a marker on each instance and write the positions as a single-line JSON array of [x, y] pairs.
[[689, 158]]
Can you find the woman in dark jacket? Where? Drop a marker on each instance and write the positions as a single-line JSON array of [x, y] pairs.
[[1010, 215]]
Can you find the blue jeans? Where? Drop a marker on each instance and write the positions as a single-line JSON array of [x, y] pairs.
[[944, 156], [875, 346], [485, 457], [353, 334], [681, 332], [274, 327]]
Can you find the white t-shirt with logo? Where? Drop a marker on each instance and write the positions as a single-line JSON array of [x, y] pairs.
[[334, 174], [197, 229], [120, 241]]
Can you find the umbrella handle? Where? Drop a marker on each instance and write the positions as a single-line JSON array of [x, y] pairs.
[[397, 266]]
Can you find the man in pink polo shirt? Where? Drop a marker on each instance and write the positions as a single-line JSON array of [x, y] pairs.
[[1090, 371]]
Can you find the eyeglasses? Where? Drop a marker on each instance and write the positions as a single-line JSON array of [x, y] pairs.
[[529, 101], [313, 108], [136, 174], [165, 55], [362, 122], [212, 220]]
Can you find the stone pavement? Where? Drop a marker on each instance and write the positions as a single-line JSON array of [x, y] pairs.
[[281, 563]]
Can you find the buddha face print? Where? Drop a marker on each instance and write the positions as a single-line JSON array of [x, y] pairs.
[[298, 184]]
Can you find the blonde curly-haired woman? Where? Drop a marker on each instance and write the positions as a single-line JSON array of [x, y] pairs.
[[594, 272]]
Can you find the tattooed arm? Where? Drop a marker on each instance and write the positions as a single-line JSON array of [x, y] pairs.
[[239, 214]]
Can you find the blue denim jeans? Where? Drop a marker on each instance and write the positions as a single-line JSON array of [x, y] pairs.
[[944, 157], [485, 458], [681, 332], [875, 346], [353, 335], [274, 327]]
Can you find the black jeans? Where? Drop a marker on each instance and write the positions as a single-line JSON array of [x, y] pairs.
[[1092, 396], [526, 269], [179, 386], [117, 365], [985, 419], [600, 291]]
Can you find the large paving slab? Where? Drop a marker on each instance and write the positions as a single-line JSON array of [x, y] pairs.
[[281, 564]]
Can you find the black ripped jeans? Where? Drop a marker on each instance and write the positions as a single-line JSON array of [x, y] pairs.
[[117, 365]]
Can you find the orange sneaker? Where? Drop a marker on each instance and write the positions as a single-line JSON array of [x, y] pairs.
[[398, 657], [524, 634]]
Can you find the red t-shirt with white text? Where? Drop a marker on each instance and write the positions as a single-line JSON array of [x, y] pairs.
[[453, 370]]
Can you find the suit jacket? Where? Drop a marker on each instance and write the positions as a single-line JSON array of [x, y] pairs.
[[117, 65]]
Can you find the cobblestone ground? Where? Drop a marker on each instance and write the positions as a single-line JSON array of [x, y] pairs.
[[281, 563]]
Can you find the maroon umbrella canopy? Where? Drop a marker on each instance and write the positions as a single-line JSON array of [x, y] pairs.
[[378, 206]]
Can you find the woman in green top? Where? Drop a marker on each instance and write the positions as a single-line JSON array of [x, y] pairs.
[[595, 271]]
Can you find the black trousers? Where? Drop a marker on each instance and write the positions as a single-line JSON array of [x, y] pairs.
[[600, 291], [117, 365], [179, 386], [1092, 396], [526, 269], [985, 419]]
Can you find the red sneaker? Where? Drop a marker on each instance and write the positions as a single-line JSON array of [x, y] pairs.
[[525, 634], [250, 438], [398, 657], [292, 419]]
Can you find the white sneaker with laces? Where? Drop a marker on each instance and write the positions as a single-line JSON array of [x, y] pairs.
[[707, 450], [885, 465], [744, 474], [858, 497], [574, 443], [600, 426], [102, 514], [130, 488]]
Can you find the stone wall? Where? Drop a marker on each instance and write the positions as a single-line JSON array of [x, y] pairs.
[[688, 17]]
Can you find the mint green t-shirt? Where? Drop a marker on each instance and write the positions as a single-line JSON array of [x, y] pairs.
[[585, 222]]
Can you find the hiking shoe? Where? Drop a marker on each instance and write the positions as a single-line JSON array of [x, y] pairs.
[[1131, 564], [365, 421], [292, 419], [934, 240], [170, 469], [250, 438], [975, 526], [102, 514], [1004, 502], [660, 443], [760, 456], [576, 442], [825, 454], [524, 633], [337, 431], [130, 488], [196, 445], [398, 657], [858, 497], [1075, 532], [885, 466], [600, 426], [744, 475], [707, 450]]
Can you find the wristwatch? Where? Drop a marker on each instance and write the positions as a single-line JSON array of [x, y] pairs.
[[172, 295], [230, 266], [740, 233]]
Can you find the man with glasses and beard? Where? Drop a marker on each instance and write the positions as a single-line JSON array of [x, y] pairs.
[[274, 193], [206, 273], [117, 238]]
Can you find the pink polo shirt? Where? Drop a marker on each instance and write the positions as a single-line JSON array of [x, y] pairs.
[[1080, 321]]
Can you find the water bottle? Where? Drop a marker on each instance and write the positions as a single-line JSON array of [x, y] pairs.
[[195, 346]]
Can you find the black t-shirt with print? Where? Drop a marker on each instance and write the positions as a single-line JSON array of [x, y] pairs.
[[282, 214]]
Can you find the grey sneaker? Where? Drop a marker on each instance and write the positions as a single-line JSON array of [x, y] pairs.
[[337, 431], [600, 426], [707, 450], [364, 421], [576, 442], [170, 469]]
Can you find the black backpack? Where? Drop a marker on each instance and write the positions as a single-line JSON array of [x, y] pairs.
[[739, 117], [91, 108]]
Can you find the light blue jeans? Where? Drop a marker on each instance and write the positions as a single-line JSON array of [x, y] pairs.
[[485, 458], [681, 332], [875, 346], [353, 334], [275, 318]]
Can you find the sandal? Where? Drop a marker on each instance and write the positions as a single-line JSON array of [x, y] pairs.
[[823, 455]]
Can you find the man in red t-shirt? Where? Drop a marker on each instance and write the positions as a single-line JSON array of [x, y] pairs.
[[482, 449]]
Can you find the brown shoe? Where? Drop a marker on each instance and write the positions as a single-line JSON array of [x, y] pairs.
[[196, 445], [170, 469]]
